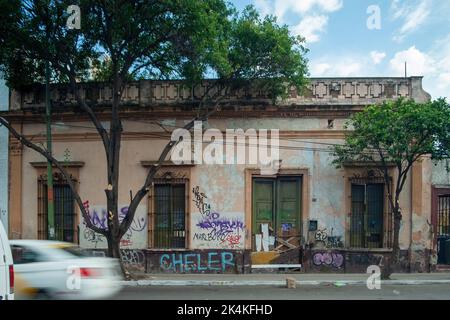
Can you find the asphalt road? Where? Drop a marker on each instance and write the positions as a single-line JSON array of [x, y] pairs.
[[323, 292]]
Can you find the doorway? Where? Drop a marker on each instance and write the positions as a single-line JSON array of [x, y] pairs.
[[441, 212], [277, 204]]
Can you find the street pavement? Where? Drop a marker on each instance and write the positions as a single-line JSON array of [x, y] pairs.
[[279, 279], [316, 292], [405, 286]]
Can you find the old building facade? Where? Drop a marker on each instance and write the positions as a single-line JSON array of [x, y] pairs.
[[307, 216]]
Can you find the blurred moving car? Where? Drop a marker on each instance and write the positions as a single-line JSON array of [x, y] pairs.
[[59, 270], [6, 267]]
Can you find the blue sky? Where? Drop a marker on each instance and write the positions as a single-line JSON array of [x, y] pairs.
[[342, 44]]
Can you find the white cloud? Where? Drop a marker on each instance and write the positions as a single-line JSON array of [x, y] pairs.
[[444, 82], [310, 27], [397, 10], [263, 7], [349, 69], [319, 69], [312, 14], [377, 57], [418, 63], [339, 66], [413, 16], [303, 6], [433, 64], [440, 78]]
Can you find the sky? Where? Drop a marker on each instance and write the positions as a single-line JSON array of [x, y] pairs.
[[369, 38]]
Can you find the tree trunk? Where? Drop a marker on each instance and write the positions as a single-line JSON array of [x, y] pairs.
[[114, 252], [113, 247], [392, 260]]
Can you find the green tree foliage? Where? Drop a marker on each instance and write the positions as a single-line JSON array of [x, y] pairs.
[[120, 41], [396, 133]]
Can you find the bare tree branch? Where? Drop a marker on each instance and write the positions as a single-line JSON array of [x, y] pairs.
[[23, 140], [126, 222]]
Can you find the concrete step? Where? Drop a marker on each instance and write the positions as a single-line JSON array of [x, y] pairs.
[[443, 268]]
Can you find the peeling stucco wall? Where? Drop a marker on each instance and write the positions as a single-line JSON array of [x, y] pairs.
[[441, 173], [223, 185]]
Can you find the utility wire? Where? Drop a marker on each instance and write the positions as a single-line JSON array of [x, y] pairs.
[[247, 144]]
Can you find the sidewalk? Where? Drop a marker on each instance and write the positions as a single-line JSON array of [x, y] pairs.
[[280, 279]]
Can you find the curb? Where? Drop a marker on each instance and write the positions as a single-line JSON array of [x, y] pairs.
[[279, 283]]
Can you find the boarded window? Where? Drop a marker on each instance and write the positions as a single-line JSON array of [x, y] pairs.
[[170, 216]]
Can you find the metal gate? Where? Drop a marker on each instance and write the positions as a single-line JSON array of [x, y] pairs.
[[366, 221], [64, 210], [443, 228], [170, 216]]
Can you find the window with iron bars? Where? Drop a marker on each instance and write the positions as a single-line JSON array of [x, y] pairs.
[[443, 227], [64, 204], [169, 213], [371, 225], [443, 215]]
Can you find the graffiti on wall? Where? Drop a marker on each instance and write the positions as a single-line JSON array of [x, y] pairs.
[[133, 257], [227, 232], [330, 259], [328, 241], [215, 230], [200, 202], [197, 262], [134, 238]]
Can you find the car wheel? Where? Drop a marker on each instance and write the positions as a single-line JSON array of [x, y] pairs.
[[43, 294]]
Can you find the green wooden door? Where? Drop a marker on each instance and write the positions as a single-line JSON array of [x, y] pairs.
[[263, 203], [277, 202], [288, 207]]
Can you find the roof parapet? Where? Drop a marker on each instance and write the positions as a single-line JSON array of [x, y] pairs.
[[148, 93]]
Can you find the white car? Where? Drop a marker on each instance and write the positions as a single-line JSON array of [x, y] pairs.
[[59, 270], [6, 267]]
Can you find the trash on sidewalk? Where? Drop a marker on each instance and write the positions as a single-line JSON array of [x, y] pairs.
[[339, 284], [291, 283]]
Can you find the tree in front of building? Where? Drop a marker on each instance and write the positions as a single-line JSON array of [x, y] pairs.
[[121, 41], [396, 134]]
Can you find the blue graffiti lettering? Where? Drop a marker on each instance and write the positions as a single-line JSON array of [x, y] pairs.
[[181, 262], [164, 262]]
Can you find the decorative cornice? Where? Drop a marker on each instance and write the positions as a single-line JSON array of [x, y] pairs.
[[165, 164], [67, 164], [169, 95], [243, 111], [350, 164]]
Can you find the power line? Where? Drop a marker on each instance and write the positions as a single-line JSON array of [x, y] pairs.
[[247, 144]]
